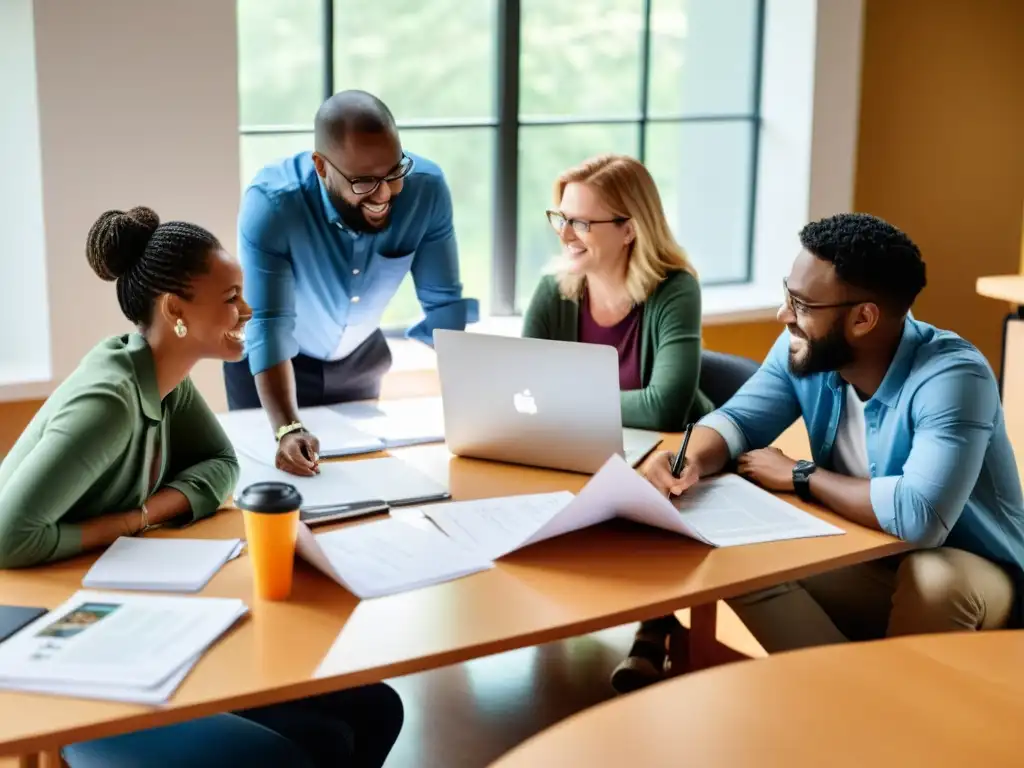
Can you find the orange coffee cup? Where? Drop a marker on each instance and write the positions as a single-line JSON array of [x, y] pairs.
[[270, 512]]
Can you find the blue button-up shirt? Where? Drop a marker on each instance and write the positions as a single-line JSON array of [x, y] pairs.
[[319, 288], [942, 468]]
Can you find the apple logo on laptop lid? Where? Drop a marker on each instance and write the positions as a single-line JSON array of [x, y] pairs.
[[524, 402]]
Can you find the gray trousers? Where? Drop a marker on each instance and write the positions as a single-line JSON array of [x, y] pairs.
[[319, 382]]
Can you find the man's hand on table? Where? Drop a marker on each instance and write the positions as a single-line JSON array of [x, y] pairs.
[[768, 467], [298, 453]]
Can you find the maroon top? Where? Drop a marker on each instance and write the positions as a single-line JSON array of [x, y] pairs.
[[624, 336]]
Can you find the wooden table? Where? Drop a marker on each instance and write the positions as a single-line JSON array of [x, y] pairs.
[[938, 700], [1008, 288], [576, 584]]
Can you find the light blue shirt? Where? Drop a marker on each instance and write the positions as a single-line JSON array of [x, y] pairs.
[[942, 468], [318, 288]]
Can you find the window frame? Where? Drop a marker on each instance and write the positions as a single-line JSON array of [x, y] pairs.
[[507, 122]]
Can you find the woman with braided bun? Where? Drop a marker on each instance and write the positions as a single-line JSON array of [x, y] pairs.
[[126, 443]]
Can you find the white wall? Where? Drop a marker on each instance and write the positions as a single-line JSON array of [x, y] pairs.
[[24, 318], [138, 105]]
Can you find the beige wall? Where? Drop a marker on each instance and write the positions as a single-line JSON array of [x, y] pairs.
[[137, 106]]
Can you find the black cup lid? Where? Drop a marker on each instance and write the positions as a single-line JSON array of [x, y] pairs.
[[269, 497]]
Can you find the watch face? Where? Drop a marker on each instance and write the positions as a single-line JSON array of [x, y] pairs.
[[804, 467]]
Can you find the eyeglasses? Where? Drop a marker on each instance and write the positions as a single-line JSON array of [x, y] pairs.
[[367, 185], [581, 226], [805, 307]]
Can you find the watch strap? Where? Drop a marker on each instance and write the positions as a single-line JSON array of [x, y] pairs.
[[287, 429], [802, 480]]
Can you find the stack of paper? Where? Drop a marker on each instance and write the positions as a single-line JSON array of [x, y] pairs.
[[398, 423], [250, 433], [161, 565], [722, 511], [339, 483], [395, 555], [101, 645], [387, 556]]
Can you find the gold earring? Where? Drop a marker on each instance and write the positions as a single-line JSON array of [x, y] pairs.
[[180, 329]]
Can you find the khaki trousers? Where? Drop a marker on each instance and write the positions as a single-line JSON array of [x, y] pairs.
[[934, 590]]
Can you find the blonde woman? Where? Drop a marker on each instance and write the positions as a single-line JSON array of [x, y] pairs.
[[623, 280]]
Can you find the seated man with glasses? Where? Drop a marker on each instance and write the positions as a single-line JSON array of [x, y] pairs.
[[325, 239], [908, 437]]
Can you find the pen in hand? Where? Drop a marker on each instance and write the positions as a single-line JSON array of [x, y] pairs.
[[680, 460]]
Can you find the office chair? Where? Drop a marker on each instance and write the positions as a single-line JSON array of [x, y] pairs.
[[721, 375]]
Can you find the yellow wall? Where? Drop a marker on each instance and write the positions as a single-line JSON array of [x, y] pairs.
[[940, 154], [941, 150]]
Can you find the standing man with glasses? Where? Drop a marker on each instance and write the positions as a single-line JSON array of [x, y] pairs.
[[325, 239]]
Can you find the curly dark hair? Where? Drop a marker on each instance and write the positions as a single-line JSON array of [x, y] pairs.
[[147, 258], [871, 254]]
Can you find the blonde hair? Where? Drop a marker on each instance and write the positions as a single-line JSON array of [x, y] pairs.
[[628, 190]]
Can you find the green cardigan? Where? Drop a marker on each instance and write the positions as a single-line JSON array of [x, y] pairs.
[[90, 448], [669, 349]]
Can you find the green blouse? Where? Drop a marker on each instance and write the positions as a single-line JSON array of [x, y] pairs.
[[104, 442], [669, 349]]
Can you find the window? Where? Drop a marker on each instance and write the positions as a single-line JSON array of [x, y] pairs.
[[505, 94]]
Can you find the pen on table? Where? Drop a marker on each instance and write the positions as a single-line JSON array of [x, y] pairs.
[[680, 460]]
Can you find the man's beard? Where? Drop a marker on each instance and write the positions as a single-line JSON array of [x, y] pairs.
[[352, 215], [829, 353]]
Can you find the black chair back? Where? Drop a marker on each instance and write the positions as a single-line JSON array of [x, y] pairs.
[[721, 375]]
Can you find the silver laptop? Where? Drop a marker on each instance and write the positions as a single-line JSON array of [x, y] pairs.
[[551, 404]]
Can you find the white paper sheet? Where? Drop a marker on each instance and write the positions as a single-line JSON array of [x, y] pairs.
[[617, 490], [412, 421], [388, 556], [728, 511], [107, 639], [251, 434], [162, 565], [495, 527], [723, 511], [348, 482]]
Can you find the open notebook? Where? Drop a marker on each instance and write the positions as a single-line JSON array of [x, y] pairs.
[[251, 435], [722, 511], [397, 423], [343, 430]]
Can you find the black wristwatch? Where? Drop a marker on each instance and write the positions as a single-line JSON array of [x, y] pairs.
[[802, 479]]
